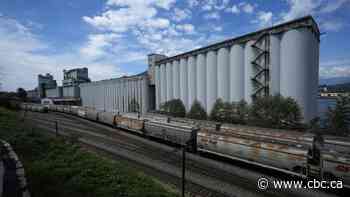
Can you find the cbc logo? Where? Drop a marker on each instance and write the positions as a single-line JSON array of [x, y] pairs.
[[263, 183]]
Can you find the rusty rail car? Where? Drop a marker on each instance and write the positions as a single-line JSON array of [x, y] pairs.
[[291, 152]]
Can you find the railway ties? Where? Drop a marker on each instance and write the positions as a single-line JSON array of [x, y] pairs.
[[205, 177]]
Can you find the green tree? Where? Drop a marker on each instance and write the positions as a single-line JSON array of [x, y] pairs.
[[275, 111], [240, 112], [217, 113], [197, 111], [338, 118], [22, 94], [134, 106], [174, 108]]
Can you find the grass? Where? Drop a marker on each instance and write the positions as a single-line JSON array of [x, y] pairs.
[[56, 167]]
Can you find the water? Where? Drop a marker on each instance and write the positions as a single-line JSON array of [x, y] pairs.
[[323, 105]]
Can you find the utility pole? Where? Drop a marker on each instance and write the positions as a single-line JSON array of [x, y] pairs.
[[56, 128], [183, 169]]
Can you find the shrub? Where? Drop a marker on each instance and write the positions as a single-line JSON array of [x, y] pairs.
[[174, 108], [217, 113], [338, 119], [134, 106], [197, 111], [240, 112], [275, 111]]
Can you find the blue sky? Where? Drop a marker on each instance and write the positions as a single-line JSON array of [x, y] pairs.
[[113, 37]]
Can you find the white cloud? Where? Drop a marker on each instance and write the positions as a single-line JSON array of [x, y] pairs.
[[263, 19], [181, 14], [332, 6], [336, 71], [192, 3], [186, 28], [21, 60], [235, 9], [335, 68], [165, 4], [95, 47], [247, 7], [212, 15], [331, 25], [217, 28]]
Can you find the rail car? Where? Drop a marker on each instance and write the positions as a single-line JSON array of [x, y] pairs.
[[292, 152]]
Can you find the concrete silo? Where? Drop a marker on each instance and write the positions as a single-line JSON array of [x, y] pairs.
[[299, 55], [237, 73], [201, 79], [223, 73], [192, 70], [212, 79], [282, 59]]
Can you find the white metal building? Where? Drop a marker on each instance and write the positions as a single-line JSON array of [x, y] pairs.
[[115, 95], [283, 59]]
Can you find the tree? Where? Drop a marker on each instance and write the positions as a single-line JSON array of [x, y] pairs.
[[338, 118], [134, 106], [217, 113], [197, 111], [240, 112], [174, 107], [22, 94], [275, 111]]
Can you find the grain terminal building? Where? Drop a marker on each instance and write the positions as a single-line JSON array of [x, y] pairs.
[[282, 59]]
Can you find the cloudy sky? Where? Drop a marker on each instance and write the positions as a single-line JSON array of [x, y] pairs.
[[113, 37]]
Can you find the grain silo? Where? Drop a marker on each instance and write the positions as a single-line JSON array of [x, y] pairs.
[[282, 59]]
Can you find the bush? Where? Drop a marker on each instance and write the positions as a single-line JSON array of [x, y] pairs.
[[134, 106], [275, 111], [218, 112], [240, 112], [174, 108], [197, 111], [338, 119]]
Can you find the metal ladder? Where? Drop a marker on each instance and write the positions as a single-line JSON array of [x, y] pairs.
[[261, 63]]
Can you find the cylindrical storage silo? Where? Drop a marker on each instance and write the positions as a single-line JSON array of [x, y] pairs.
[[183, 82], [249, 56], [169, 76], [275, 48], [299, 63], [162, 84], [176, 79], [211, 65], [237, 73], [201, 72], [191, 80], [157, 86], [223, 74]]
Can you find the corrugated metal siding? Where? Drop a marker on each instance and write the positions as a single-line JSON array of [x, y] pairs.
[[115, 95]]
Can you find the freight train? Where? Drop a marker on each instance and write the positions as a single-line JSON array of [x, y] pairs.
[[298, 153]]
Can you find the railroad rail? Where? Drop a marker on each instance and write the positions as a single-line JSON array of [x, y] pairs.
[[206, 177]]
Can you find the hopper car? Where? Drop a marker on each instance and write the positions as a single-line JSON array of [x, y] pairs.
[[293, 152]]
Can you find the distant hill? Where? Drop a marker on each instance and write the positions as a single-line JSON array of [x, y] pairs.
[[334, 81], [344, 87]]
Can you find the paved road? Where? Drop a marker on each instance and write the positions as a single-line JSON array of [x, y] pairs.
[[205, 177]]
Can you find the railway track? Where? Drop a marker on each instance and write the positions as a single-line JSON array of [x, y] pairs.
[[205, 177]]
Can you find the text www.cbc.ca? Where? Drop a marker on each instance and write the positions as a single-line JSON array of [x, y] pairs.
[[264, 183]]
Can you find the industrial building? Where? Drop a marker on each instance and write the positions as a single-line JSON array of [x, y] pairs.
[[282, 59], [117, 95], [279, 60], [45, 82], [74, 77]]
